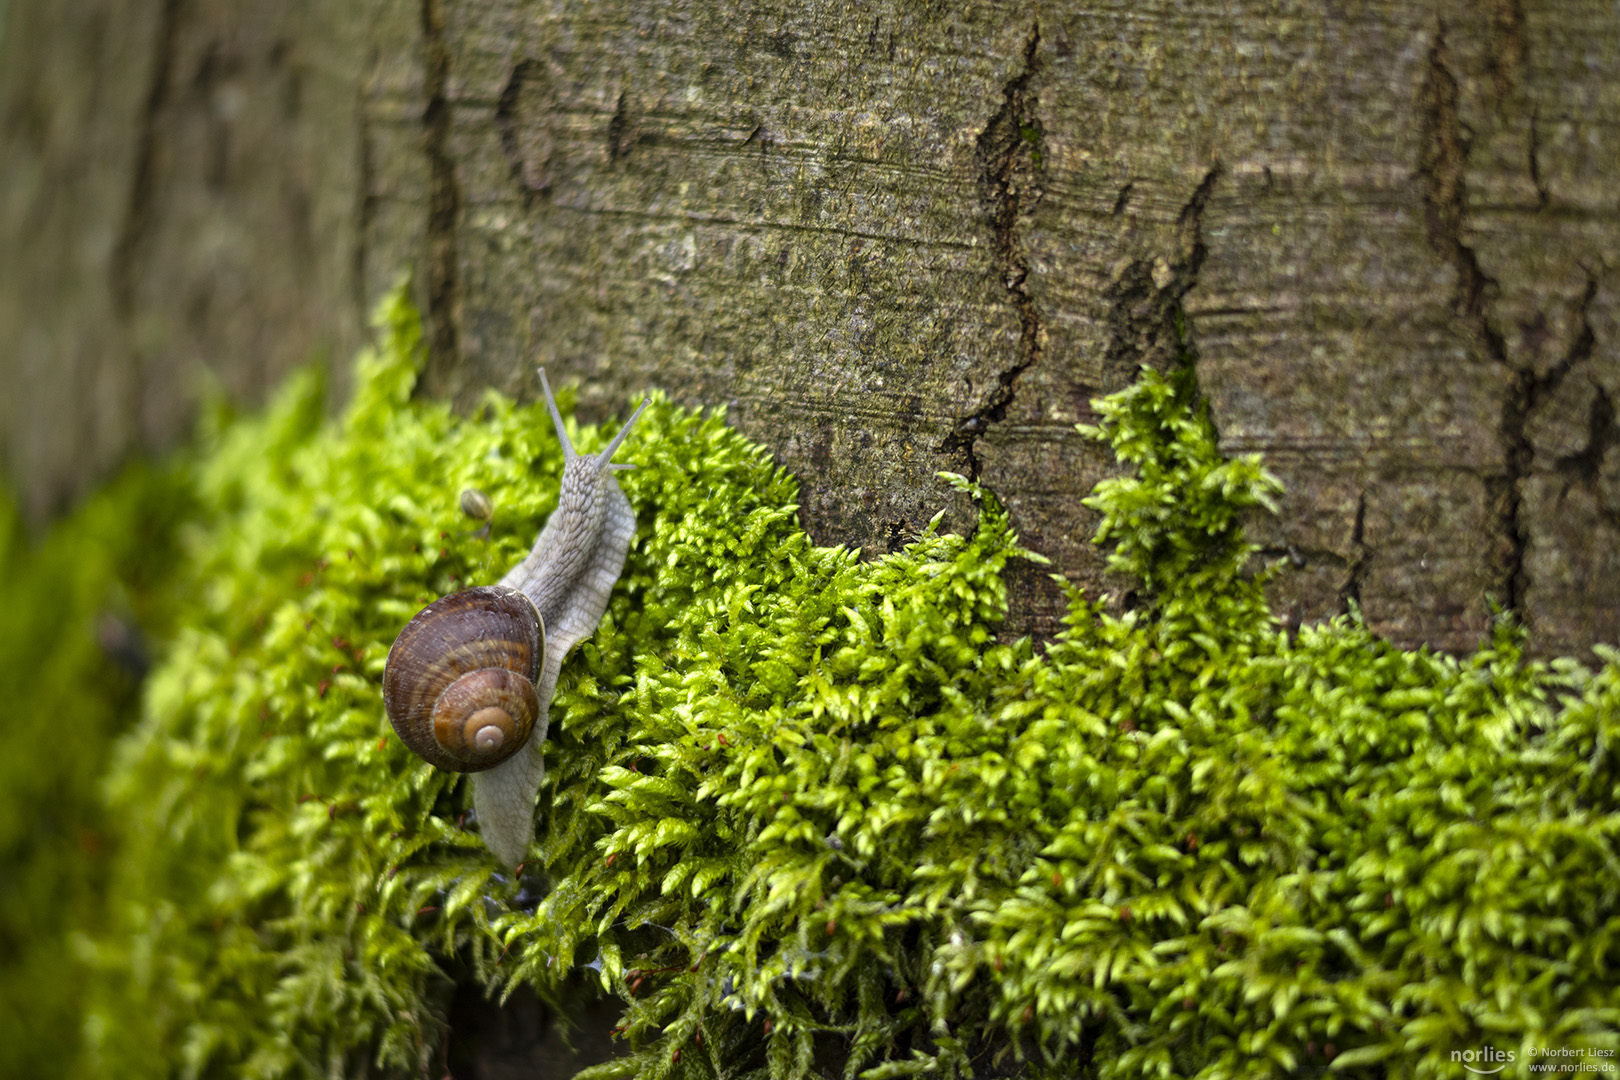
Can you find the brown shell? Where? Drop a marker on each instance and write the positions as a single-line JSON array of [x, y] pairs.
[[467, 663]]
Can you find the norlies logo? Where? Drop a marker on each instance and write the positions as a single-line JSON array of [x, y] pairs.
[[1486, 1062]]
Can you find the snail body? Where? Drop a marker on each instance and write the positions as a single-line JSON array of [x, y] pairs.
[[468, 683]]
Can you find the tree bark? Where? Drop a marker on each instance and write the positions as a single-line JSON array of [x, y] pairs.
[[891, 239]]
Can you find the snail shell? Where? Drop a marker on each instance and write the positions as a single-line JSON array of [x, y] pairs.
[[477, 505], [509, 641], [459, 685]]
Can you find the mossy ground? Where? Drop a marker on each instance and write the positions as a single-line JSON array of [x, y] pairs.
[[805, 813]]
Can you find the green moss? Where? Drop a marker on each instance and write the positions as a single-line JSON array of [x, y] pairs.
[[70, 656], [808, 814]]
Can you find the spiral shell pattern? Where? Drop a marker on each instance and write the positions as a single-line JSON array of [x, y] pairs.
[[459, 681]]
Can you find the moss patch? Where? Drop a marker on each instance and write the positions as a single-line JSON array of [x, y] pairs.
[[71, 656], [808, 815]]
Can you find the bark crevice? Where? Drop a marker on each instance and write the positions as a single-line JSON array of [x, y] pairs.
[[1505, 58], [1359, 560], [1442, 169], [621, 130], [1010, 158], [444, 197], [1584, 467], [1533, 162], [529, 171], [1145, 313]]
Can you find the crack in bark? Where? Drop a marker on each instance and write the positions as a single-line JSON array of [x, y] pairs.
[[1357, 563], [1009, 154], [1146, 321], [444, 196], [1443, 166], [137, 218], [531, 171], [1505, 57], [1191, 220], [1541, 387], [1527, 393], [1533, 154], [1585, 466], [621, 133], [1123, 199]]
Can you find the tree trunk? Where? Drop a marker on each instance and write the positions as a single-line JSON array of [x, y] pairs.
[[891, 239]]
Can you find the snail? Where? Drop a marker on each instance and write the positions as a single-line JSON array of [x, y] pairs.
[[468, 682]]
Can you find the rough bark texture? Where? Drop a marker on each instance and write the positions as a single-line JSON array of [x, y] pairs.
[[891, 238]]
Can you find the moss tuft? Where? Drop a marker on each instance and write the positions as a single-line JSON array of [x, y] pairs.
[[808, 815]]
